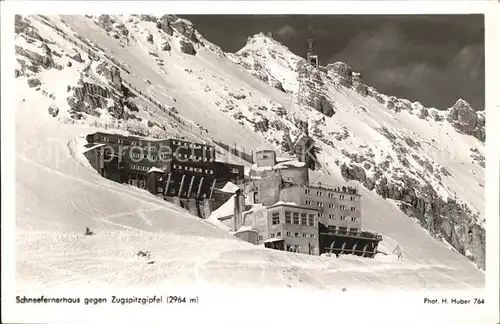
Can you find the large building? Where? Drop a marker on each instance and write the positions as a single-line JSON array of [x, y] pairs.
[[283, 189], [167, 167]]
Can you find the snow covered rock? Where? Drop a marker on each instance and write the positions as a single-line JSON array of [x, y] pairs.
[[166, 47], [465, 119], [34, 82], [187, 47], [78, 57], [342, 72], [149, 18]]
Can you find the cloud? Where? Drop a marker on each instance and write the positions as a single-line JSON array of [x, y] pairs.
[[287, 32], [394, 63]]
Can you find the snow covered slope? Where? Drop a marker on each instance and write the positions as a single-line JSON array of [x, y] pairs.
[[208, 96]]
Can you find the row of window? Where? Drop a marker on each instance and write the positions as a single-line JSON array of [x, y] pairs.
[[193, 157], [140, 167], [298, 219], [187, 144], [332, 216], [320, 204], [191, 145], [192, 169], [295, 234], [296, 248], [319, 193]]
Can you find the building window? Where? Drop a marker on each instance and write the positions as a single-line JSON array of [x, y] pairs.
[[307, 191], [353, 198], [288, 233], [105, 139], [342, 217], [321, 215], [272, 235], [288, 217], [320, 204], [304, 234], [234, 170], [342, 197], [313, 235], [353, 208], [208, 171], [133, 143], [319, 193], [342, 207], [308, 202], [261, 237], [296, 218], [278, 234], [331, 205], [311, 220], [297, 234], [330, 195], [354, 219], [265, 156], [332, 216], [275, 218], [119, 141], [303, 219]]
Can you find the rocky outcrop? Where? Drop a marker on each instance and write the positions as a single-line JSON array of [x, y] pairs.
[[423, 113], [464, 119], [306, 151], [78, 57], [22, 26], [149, 18], [34, 82], [110, 73], [87, 97], [122, 30], [105, 22], [187, 47], [361, 89], [44, 61], [342, 72], [450, 220], [165, 24], [53, 111], [166, 47], [149, 39]]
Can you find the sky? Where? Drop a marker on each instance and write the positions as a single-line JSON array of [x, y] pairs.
[[434, 59]]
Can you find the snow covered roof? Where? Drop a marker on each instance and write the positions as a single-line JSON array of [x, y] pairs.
[[87, 149], [285, 203], [274, 239], [155, 169], [230, 187], [281, 165], [246, 229], [227, 209], [292, 204]]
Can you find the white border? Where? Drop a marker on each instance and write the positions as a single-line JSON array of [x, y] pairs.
[[258, 306]]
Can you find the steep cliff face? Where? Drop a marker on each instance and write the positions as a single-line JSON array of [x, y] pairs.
[[466, 120], [450, 220]]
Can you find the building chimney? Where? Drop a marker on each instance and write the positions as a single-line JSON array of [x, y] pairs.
[[238, 209]]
